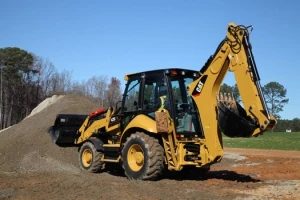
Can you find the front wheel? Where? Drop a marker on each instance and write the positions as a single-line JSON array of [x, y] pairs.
[[90, 158], [142, 157]]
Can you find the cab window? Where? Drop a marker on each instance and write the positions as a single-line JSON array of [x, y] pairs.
[[132, 96]]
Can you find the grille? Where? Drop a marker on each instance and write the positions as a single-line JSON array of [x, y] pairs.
[[194, 148]]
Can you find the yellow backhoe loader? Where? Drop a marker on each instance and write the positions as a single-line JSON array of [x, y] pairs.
[[172, 118]]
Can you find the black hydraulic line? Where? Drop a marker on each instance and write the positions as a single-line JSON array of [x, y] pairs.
[[255, 74]]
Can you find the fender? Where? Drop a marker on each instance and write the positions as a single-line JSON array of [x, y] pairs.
[[97, 143], [143, 122]]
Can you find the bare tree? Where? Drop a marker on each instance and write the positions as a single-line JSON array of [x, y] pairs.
[[113, 92], [79, 88], [45, 69], [60, 83], [99, 85]]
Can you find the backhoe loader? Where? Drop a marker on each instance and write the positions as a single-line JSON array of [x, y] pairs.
[[172, 118]]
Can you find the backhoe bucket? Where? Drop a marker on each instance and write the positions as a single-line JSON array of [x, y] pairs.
[[64, 131], [232, 118]]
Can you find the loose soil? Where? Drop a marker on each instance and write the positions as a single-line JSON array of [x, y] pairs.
[[32, 167]]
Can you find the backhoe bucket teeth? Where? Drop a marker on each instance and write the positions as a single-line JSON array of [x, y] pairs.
[[232, 118], [64, 130]]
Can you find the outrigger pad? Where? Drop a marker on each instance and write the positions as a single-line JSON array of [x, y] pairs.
[[233, 121]]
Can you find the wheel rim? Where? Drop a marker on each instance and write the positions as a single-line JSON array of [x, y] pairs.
[[87, 157], [135, 157]]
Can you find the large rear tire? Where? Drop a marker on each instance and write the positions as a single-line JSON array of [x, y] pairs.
[[90, 158], [142, 157]]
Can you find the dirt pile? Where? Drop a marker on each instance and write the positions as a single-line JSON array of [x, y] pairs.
[[46, 103], [28, 147]]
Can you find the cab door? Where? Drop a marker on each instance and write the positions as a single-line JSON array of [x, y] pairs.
[[154, 87], [131, 100]]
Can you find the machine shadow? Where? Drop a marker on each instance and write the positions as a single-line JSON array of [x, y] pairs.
[[116, 170], [222, 175]]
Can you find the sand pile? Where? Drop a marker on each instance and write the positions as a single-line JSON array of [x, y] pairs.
[[44, 104], [28, 147]]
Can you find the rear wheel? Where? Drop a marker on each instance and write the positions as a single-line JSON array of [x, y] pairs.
[[142, 157], [90, 158]]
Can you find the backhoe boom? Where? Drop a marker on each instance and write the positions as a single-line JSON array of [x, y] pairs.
[[219, 112]]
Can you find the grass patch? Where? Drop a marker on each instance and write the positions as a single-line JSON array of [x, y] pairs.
[[269, 140]]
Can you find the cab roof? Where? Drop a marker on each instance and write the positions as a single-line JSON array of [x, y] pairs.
[[159, 71]]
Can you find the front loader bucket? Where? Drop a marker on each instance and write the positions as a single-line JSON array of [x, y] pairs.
[[64, 130], [233, 120]]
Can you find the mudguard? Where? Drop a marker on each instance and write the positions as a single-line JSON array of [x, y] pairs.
[[97, 143]]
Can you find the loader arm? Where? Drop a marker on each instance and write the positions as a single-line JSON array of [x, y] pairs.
[[220, 113], [93, 127]]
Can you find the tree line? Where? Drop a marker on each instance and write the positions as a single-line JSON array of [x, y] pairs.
[[284, 125], [27, 79]]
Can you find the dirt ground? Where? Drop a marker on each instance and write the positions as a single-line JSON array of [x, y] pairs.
[[32, 167]]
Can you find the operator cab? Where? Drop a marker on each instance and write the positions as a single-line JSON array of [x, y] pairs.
[[149, 91]]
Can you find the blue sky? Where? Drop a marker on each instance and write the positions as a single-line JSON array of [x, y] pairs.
[[113, 38]]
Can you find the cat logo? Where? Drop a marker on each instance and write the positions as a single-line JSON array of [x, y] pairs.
[[199, 86]]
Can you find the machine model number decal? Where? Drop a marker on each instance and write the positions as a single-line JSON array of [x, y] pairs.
[[113, 119]]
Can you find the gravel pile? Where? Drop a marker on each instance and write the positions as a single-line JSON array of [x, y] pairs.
[[28, 147]]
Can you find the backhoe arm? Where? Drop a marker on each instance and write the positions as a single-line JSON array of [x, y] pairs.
[[242, 63], [221, 112]]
